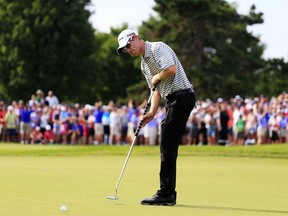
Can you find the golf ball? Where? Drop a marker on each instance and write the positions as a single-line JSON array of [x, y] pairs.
[[64, 208]]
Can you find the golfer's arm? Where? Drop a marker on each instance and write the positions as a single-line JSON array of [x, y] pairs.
[[155, 101], [168, 72]]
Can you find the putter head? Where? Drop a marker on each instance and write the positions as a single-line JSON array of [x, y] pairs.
[[112, 197]]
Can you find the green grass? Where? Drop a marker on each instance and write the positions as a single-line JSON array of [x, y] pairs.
[[218, 181], [264, 151]]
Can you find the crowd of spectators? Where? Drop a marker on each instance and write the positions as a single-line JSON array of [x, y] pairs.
[[236, 121]]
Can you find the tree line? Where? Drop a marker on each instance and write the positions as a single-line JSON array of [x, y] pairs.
[[51, 45]]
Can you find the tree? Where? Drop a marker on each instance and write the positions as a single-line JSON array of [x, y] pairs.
[[272, 78], [47, 45], [211, 40], [116, 74]]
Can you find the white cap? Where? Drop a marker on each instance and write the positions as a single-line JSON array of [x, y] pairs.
[[10, 108], [220, 100], [48, 127], [123, 39], [238, 97], [88, 107]]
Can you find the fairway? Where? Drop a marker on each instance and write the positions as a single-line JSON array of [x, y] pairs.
[[39, 185]]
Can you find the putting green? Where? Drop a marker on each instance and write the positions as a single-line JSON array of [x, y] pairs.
[[206, 186]]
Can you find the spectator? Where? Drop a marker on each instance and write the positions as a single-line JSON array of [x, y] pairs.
[[250, 127], [160, 116], [283, 127], [55, 119], [262, 129], [273, 129], [52, 99], [49, 136], [256, 112], [40, 97], [35, 117], [44, 118], [2, 121], [195, 129], [240, 129], [83, 129], [202, 133], [32, 102], [237, 111], [132, 125], [212, 130], [223, 124], [98, 127], [106, 124], [150, 132], [64, 113], [124, 118], [36, 136], [115, 127], [90, 121], [189, 129], [10, 124], [25, 127], [230, 125], [16, 109], [80, 133], [74, 130], [64, 123]]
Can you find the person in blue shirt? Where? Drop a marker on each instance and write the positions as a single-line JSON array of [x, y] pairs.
[[25, 128], [98, 127]]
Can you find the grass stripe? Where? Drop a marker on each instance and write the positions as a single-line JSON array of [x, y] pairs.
[[264, 151]]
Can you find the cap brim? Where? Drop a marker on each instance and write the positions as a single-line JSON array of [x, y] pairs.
[[122, 46], [120, 50]]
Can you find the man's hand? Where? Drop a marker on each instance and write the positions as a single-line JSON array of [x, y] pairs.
[[147, 118], [155, 101], [156, 79]]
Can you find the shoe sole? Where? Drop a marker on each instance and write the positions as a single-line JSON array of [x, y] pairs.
[[158, 204]]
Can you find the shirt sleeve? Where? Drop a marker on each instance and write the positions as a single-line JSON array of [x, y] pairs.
[[163, 58]]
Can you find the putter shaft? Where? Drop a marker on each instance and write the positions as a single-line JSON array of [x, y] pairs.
[[131, 147]]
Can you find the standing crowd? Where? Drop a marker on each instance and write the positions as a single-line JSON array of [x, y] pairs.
[[237, 121]]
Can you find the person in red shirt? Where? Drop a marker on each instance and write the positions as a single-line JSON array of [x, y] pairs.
[[36, 135], [48, 135], [2, 115]]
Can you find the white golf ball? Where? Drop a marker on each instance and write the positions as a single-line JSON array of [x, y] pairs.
[[64, 208]]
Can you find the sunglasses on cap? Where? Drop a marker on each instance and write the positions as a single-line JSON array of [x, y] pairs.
[[128, 44]]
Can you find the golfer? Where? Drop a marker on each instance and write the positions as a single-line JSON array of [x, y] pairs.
[[162, 69]]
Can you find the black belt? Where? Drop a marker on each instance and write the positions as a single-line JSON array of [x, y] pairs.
[[174, 95]]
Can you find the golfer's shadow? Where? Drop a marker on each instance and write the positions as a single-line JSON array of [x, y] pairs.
[[232, 209]]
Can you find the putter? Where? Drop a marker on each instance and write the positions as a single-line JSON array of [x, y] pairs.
[[115, 197]]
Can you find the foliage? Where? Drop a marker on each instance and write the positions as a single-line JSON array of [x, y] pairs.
[[116, 73], [272, 78], [211, 40], [50, 45], [46, 45]]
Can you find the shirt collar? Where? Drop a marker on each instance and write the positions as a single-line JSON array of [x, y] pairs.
[[147, 49]]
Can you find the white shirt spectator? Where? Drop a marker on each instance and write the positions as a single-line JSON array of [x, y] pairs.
[[52, 99]]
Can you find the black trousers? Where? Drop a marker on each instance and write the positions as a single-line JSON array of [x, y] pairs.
[[177, 112]]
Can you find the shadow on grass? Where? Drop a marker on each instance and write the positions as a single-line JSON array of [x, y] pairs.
[[233, 209]]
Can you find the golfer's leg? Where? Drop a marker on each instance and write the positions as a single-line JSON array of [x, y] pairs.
[[172, 129]]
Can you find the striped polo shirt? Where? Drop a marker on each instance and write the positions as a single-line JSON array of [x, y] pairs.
[[159, 56]]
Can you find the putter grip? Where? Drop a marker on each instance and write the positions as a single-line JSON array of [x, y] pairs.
[[146, 108], [138, 128], [148, 103], [141, 122]]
